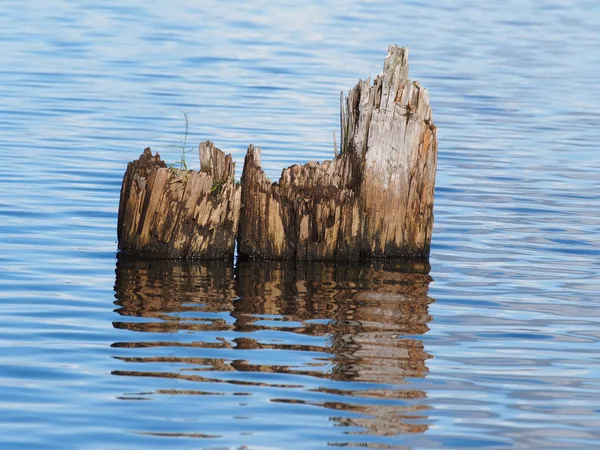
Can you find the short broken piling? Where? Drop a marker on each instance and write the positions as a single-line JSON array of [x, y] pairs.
[[166, 213]]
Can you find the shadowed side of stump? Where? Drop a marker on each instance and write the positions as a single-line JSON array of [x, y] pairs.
[[166, 213]]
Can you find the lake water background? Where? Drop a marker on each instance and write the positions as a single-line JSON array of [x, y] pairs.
[[495, 345]]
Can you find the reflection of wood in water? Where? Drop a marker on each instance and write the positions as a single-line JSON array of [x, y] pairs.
[[360, 312], [368, 309]]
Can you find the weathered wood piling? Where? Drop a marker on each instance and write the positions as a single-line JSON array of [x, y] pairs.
[[166, 213], [374, 199]]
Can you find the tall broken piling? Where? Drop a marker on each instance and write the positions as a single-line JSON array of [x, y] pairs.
[[374, 199], [388, 128]]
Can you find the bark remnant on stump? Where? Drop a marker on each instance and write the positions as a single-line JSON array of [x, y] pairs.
[[375, 199], [170, 213]]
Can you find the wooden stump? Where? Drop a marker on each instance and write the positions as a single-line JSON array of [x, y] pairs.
[[375, 199], [166, 213]]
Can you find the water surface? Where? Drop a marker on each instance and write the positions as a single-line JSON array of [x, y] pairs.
[[494, 344]]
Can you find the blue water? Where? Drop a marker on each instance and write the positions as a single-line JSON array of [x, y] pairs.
[[495, 345]]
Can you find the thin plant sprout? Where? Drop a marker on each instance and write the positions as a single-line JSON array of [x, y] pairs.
[[182, 162]]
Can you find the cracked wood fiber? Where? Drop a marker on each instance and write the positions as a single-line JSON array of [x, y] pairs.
[[166, 213], [375, 199]]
